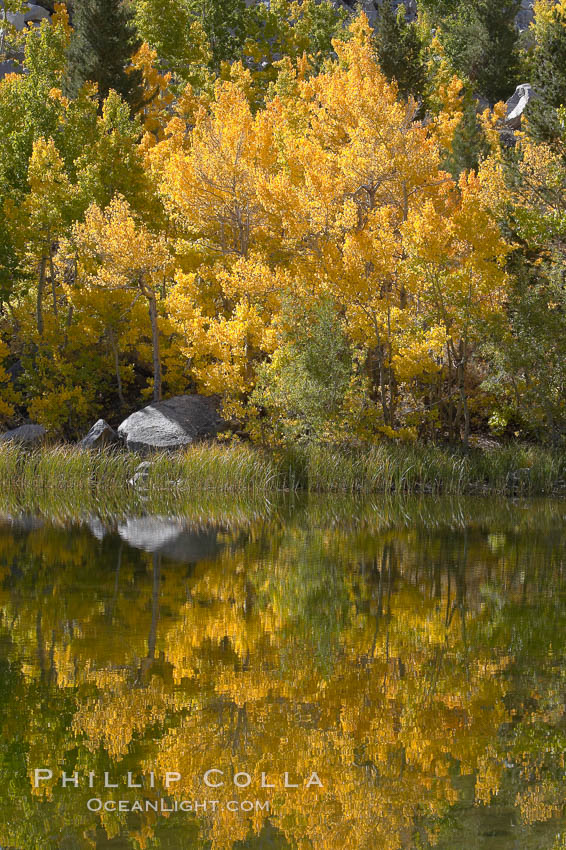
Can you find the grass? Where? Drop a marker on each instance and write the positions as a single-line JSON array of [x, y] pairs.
[[215, 467], [106, 481], [102, 480], [388, 468]]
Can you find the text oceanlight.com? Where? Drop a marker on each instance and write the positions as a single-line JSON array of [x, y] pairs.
[[163, 806]]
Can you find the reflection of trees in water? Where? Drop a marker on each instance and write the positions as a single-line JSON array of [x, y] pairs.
[[420, 664]]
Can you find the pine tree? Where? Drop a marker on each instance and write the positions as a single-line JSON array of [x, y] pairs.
[[469, 145], [224, 22], [181, 44], [400, 50], [480, 39], [103, 42], [548, 73]]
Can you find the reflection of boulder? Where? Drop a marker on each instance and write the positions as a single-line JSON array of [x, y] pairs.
[[97, 528], [169, 537], [171, 424], [23, 522]]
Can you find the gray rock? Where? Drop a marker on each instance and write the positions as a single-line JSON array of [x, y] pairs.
[[9, 67], [29, 435], [371, 8], [100, 435], [17, 20], [525, 16], [141, 475], [523, 20], [516, 106], [518, 481], [16, 370], [171, 424], [411, 10], [36, 13], [32, 14], [482, 103]]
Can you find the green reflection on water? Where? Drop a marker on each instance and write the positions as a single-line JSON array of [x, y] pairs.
[[411, 653]]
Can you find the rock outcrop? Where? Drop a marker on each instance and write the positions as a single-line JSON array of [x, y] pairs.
[[516, 106], [371, 8], [140, 477], [171, 424], [100, 435], [9, 67], [31, 15], [525, 15], [30, 435]]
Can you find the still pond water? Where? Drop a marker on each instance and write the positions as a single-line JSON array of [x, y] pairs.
[[401, 663]]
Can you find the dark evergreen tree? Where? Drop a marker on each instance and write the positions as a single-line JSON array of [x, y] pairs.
[[103, 43], [439, 9], [224, 22], [400, 50], [548, 75], [469, 144], [480, 39]]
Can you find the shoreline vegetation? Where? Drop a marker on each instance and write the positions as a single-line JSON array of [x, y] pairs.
[[347, 227], [113, 478]]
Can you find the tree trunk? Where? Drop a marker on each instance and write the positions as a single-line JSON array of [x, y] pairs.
[[40, 288], [52, 276], [463, 405], [460, 360], [391, 379], [3, 29], [466, 438], [116, 355], [155, 341], [382, 388]]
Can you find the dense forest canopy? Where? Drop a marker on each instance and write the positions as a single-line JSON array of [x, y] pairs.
[[326, 221]]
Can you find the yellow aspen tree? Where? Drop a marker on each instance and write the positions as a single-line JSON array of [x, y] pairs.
[[47, 215], [355, 163], [211, 189], [116, 256], [157, 95], [323, 190], [455, 266]]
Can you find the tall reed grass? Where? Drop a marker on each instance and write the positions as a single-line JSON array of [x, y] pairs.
[[110, 480], [389, 468]]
